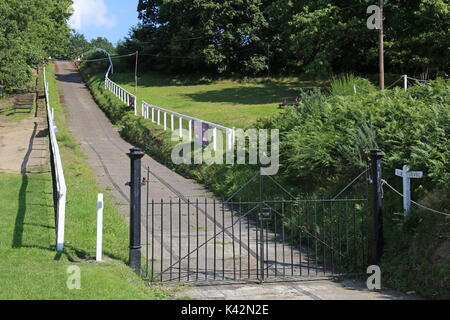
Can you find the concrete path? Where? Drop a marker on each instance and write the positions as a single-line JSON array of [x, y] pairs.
[[305, 290], [106, 153]]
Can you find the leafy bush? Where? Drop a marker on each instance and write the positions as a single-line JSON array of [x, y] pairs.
[[417, 255], [348, 84], [326, 138]]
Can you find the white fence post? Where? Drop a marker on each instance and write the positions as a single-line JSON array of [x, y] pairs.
[[190, 130], [229, 139], [99, 227], [215, 139], [165, 121], [181, 127], [405, 82], [172, 122], [61, 219]]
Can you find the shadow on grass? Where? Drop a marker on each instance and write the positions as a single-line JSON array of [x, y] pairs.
[[163, 80], [160, 80], [22, 198], [266, 93], [74, 254], [22, 203]]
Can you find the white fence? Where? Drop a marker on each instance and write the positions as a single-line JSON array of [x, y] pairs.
[[126, 97], [406, 80], [59, 183], [131, 100], [160, 116]]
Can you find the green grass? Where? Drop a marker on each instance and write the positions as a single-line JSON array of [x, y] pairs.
[[227, 102], [29, 266]]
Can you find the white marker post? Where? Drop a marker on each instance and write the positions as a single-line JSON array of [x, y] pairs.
[[99, 227], [407, 176]]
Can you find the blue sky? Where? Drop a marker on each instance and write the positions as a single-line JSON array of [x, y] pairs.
[[111, 19]]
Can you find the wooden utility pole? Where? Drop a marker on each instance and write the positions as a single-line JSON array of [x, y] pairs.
[[136, 71], [381, 46]]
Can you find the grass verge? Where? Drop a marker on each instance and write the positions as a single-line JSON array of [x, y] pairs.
[[29, 266]]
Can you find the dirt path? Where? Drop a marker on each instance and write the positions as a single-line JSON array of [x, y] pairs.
[[23, 144], [106, 153]]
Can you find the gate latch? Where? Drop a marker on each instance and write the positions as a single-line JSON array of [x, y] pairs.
[[265, 214], [143, 183]]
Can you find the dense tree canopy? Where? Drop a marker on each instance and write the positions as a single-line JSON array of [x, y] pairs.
[[289, 36], [30, 30], [215, 36], [75, 46]]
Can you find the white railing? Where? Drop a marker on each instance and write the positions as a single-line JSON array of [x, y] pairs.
[[126, 97], [131, 100], [159, 116], [406, 83], [58, 174]]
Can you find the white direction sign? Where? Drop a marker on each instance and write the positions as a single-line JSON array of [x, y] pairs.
[[407, 176], [411, 174]]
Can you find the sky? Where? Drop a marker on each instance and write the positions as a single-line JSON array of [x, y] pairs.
[[111, 19]]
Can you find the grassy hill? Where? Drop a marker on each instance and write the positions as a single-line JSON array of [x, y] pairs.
[[230, 103]]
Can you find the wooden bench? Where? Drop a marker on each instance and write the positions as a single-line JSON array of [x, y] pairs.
[[291, 101], [23, 103]]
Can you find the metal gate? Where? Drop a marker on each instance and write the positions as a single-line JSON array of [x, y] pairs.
[[208, 240]]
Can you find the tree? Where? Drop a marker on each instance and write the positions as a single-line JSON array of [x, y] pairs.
[[75, 46], [30, 31], [319, 37], [201, 35], [103, 43]]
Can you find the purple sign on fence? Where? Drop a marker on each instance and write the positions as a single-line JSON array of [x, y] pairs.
[[205, 140], [201, 133]]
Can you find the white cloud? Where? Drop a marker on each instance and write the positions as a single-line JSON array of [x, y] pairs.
[[91, 13]]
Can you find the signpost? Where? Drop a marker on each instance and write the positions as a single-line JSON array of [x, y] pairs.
[[407, 176], [98, 256]]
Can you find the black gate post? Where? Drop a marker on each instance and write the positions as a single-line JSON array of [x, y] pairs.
[[376, 156], [135, 184], [261, 217]]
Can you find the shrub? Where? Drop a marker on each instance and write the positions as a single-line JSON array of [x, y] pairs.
[[347, 84]]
